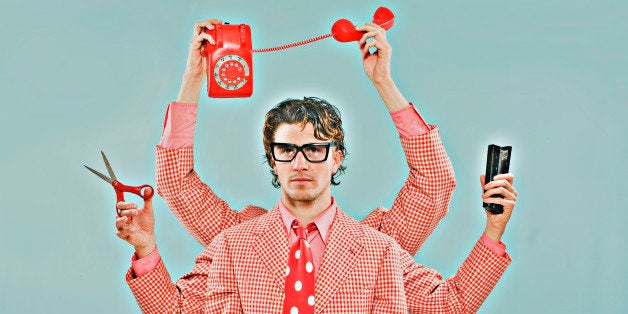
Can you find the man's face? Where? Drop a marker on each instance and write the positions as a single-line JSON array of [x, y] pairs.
[[302, 180]]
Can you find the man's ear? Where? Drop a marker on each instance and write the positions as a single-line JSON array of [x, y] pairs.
[[273, 165], [337, 156]]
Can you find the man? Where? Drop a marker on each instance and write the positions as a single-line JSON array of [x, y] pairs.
[[306, 197], [418, 208]]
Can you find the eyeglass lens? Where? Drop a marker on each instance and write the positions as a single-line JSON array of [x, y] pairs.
[[312, 152]]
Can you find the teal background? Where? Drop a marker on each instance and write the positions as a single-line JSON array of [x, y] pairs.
[[547, 77]]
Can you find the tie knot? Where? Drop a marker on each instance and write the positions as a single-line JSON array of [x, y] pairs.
[[301, 231]]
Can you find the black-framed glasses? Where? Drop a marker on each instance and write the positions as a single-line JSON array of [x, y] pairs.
[[313, 152]]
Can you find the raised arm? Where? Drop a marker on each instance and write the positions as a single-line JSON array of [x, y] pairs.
[[196, 206], [192, 201], [465, 292], [195, 67], [424, 199], [419, 206]]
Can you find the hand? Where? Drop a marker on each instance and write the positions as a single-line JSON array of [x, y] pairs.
[[501, 185], [376, 65], [137, 226], [196, 64]]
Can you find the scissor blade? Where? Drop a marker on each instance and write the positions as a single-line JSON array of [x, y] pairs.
[[111, 174], [102, 176]]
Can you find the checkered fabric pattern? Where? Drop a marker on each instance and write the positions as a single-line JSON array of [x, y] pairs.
[[420, 205], [424, 198], [243, 271], [427, 292], [360, 272], [202, 213], [245, 278]]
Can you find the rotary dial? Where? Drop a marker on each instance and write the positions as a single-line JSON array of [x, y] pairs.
[[231, 72]]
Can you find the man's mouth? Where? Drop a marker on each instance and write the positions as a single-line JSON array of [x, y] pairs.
[[301, 179]]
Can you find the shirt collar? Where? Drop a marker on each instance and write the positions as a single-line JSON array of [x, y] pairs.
[[323, 221]]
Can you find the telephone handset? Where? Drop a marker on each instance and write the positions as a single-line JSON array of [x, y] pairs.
[[230, 60], [344, 31]]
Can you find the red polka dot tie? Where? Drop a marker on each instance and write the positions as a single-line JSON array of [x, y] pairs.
[[300, 273]]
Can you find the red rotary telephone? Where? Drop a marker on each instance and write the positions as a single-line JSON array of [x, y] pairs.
[[230, 60]]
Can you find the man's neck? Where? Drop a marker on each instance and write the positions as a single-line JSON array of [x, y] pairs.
[[307, 211]]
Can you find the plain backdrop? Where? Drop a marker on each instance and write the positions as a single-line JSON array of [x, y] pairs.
[[547, 77]]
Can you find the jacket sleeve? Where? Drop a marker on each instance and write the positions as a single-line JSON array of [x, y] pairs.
[[196, 206], [156, 293], [424, 198], [464, 292]]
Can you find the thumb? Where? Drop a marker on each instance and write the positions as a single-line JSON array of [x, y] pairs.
[[147, 191], [148, 202], [482, 180]]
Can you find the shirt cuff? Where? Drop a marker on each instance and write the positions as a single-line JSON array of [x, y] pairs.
[[179, 125], [498, 248], [409, 122], [145, 264]]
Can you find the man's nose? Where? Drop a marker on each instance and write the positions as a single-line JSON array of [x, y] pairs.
[[299, 162]]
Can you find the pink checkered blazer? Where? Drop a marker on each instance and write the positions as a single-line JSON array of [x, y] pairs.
[[360, 271], [418, 208]]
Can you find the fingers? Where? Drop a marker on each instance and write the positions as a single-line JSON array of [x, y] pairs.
[[125, 227], [135, 225], [373, 43], [123, 222], [503, 180], [127, 209], [507, 194], [209, 24], [378, 36], [198, 40], [505, 176], [506, 203], [199, 33], [501, 185], [129, 213], [126, 205], [371, 30], [130, 210]]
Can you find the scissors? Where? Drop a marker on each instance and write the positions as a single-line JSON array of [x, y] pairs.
[[119, 187]]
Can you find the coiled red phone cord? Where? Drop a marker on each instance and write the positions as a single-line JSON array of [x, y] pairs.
[[304, 42]]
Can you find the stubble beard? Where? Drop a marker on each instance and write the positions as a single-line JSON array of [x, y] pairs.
[[303, 196]]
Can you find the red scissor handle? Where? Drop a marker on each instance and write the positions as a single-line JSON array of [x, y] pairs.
[[137, 190]]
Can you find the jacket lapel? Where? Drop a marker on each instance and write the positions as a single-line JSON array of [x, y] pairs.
[[271, 244], [341, 256]]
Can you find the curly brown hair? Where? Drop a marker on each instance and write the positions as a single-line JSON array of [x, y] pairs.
[[324, 116]]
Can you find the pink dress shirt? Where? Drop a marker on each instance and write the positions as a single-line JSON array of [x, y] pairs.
[[178, 132], [318, 239]]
